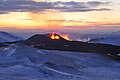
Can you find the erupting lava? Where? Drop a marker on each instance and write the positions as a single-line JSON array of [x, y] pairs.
[[53, 36], [65, 37]]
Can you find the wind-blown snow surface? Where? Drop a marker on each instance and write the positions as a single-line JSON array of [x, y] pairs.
[[108, 40], [21, 62], [6, 37]]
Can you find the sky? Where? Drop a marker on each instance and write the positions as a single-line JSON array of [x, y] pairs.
[[66, 15]]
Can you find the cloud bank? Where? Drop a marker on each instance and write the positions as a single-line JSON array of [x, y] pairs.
[[7, 6]]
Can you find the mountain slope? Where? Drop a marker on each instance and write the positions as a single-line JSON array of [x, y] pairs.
[[108, 40], [45, 42], [6, 37], [23, 62]]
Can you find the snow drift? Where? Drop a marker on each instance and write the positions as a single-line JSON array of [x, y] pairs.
[[19, 61]]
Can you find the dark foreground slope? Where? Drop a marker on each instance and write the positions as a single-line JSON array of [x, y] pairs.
[[2, 45], [45, 42]]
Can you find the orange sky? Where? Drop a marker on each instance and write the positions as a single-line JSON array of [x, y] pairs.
[[55, 19]]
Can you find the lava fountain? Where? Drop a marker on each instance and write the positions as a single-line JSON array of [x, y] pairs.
[[56, 37]]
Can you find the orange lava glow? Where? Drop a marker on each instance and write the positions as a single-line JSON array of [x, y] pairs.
[[65, 37], [53, 36]]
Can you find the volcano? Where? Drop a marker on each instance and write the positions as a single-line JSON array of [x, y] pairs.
[[49, 41], [56, 42], [39, 39], [46, 41]]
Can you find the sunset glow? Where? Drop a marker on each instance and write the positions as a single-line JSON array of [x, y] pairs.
[[95, 14]]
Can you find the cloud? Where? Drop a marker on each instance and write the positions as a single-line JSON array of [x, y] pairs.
[[84, 10], [96, 3], [7, 6], [113, 24], [80, 6], [66, 21], [3, 12]]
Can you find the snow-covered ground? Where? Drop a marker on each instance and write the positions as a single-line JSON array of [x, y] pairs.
[[21, 62], [108, 40], [6, 37]]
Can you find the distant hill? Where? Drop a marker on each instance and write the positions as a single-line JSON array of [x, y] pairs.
[[7, 37], [107, 40]]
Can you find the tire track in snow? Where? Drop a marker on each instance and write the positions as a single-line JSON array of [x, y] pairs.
[[60, 72]]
